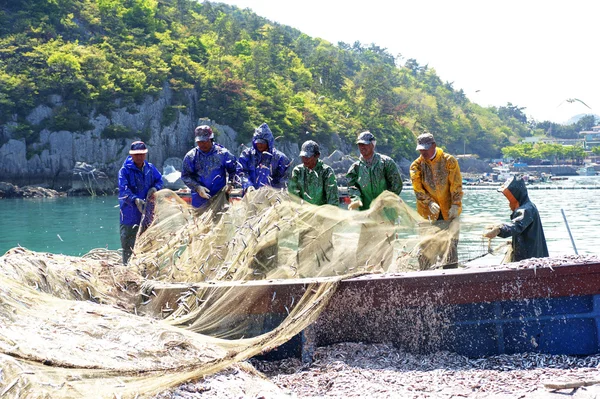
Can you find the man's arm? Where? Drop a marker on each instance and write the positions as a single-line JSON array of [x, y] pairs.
[[353, 187], [392, 176], [455, 180], [188, 172], [293, 186], [331, 189], [417, 183], [158, 180], [125, 192]]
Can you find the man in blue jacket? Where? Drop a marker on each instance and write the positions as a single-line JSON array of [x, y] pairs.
[[138, 181], [263, 165], [208, 168]]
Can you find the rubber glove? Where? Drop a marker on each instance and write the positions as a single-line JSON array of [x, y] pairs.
[[492, 232], [203, 192], [434, 208], [140, 204], [453, 212], [355, 205]]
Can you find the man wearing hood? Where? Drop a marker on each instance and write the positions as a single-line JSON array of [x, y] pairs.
[[207, 168], [138, 181], [525, 227], [437, 183], [263, 165]]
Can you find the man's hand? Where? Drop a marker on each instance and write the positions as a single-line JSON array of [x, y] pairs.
[[203, 192], [151, 193], [228, 187], [453, 212], [140, 204], [492, 231], [355, 205], [434, 208]]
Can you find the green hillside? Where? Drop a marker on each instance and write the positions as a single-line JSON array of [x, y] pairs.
[[100, 54]]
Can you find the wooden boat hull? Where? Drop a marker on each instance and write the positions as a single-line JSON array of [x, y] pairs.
[[473, 312]]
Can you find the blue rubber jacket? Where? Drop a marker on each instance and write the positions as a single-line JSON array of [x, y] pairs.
[[268, 168], [212, 170], [135, 183]]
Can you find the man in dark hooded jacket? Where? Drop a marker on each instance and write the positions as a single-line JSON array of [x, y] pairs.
[[263, 165], [525, 227]]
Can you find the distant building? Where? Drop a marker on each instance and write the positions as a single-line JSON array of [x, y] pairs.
[[552, 140], [591, 138]]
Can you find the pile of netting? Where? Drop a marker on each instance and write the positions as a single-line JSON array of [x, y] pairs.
[[78, 327]]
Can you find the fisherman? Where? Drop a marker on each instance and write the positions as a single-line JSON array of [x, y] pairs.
[[370, 176], [525, 227], [315, 183], [263, 164], [208, 168], [138, 181], [437, 183]]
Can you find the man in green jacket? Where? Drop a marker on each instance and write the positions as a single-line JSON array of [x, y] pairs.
[[368, 177], [315, 183], [371, 175]]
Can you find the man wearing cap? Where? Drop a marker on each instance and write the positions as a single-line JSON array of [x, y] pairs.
[[315, 183], [370, 176], [138, 181], [437, 184], [207, 168], [263, 164], [525, 226]]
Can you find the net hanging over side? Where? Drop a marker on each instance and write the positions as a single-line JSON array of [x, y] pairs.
[[71, 326]]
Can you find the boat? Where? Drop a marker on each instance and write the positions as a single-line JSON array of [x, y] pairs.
[[503, 173], [588, 170], [545, 307]]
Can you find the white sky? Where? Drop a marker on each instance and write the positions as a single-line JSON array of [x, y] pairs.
[[534, 54]]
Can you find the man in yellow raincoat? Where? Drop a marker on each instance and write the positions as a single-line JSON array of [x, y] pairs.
[[437, 184]]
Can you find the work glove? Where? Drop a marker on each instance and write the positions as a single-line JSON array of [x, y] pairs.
[[492, 231], [150, 193], [140, 204], [203, 192], [434, 208], [453, 212], [355, 205]]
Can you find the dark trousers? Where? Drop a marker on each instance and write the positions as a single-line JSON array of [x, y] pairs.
[[128, 234]]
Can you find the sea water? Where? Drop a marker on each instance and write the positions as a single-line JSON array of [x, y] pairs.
[[75, 225]]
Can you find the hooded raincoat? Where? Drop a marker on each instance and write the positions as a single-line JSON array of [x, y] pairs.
[[267, 168], [317, 186], [525, 228], [366, 182], [212, 170], [437, 180], [134, 183]]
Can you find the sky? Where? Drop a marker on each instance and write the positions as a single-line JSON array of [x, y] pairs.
[[530, 53]]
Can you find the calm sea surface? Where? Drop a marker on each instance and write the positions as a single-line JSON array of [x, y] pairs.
[[75, 225]]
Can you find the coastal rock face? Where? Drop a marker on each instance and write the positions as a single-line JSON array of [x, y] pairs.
[[56, 158], [8, 190]]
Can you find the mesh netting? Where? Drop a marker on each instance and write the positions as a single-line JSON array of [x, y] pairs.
[[75, 326]]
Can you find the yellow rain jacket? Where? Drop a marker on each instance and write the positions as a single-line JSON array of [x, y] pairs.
[[437, 180]]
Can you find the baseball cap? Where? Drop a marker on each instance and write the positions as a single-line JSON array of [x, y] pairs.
[[365, 138], [425, 141], [309, 149], [203, 133], [138, 147]]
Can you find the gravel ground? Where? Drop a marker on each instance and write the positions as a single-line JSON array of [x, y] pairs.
[[381, 371]]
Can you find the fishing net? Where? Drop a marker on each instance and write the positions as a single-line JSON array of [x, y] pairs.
[[199, 293]]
